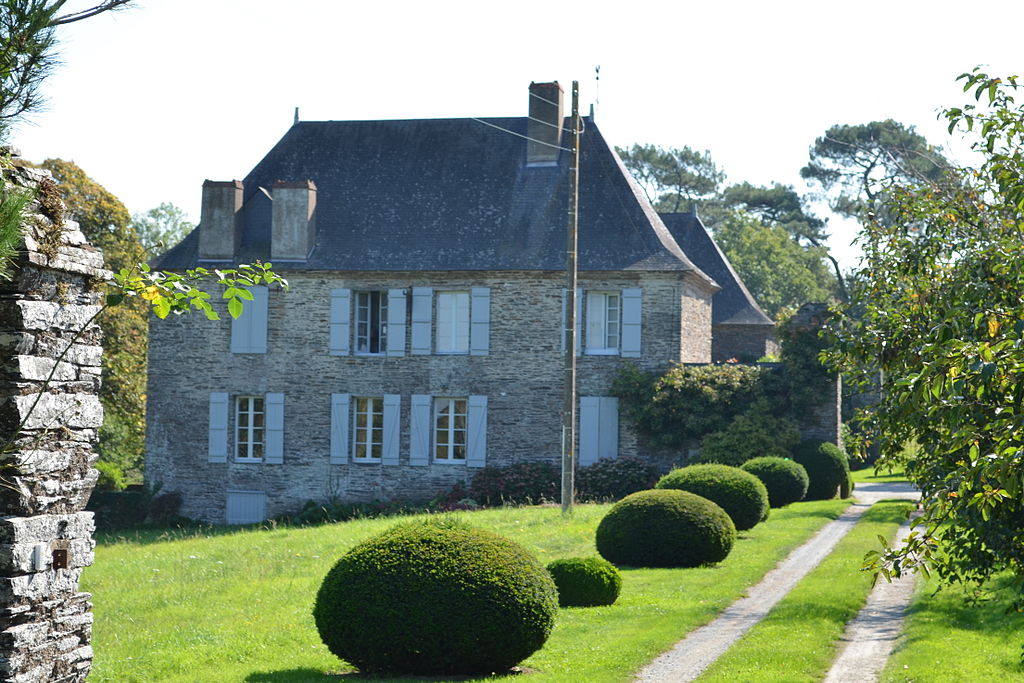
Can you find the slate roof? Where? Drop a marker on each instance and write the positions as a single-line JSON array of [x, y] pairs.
[[733, 304], [450, 194]]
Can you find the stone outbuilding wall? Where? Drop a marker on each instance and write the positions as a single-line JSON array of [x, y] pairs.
[[50, 413]]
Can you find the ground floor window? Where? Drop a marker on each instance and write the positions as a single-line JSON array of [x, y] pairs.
[[450, 429], [250, 427], [368, 442]]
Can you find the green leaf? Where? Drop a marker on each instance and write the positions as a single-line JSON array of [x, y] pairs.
[[235, 307]]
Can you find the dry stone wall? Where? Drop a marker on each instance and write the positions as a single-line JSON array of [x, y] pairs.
[[49, 417]]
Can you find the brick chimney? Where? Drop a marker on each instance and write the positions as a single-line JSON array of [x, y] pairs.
[[293, 224], [219, 219], [545, 124]]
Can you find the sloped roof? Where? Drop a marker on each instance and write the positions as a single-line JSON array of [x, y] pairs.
[[450, 194], [733, 304]]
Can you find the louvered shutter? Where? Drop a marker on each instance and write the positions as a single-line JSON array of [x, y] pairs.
[[419, 430], [590, 429], [396, 322], [422, 308], [339, 428], [480, 321], [476, 432], [273, 453], [218, 432], [341, 313], [392, 428], [631, 314]]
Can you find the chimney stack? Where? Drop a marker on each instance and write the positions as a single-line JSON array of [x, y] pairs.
[[293, 226], [544, 127], [218, 221]]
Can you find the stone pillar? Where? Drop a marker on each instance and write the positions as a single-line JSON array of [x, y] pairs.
[[49, 417], [823, 420]]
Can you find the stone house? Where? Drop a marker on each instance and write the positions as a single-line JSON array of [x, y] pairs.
[[423, 334]]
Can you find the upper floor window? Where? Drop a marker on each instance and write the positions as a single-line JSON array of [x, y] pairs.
[[603, 322], [250, 426], [452, 322], [368, 442], [371, 322], [450, 429]]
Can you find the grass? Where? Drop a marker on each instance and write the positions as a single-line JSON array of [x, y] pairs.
[[868, 474], [947, 639], [236, 606], [797, 641]]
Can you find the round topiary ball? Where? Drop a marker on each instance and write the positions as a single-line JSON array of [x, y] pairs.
[[739, 493], [436, 598], [826, 466], [786, 480], [585, 581], [665, 528]]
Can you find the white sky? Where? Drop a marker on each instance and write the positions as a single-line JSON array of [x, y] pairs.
[[153, 100]]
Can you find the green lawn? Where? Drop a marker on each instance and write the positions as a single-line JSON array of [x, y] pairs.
[[236, 606], [869, 475], [947, 640], [798, 640]]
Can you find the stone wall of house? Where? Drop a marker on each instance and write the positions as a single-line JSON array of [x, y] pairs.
[[521, 377], [745, 343], [50, 413]]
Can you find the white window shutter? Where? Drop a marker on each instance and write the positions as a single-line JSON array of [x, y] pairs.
[[476, 432], [631, 307], [218, 439], [273, 453], [422, 310], [419, 430], [480, 321], [341, 314], [564, 322], [579, 321], [392, 428], [396, 322], [608, 428], [249, 330], [590, 425], [339, 428]]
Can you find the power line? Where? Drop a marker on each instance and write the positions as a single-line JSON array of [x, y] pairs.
[[520, 135]]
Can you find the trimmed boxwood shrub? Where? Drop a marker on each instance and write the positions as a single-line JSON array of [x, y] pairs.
[[846, 486], [523, 483], [585, 581], [665, 528], [786, 480], [739, 493], [826, 465], [436, 598], [614, 478]]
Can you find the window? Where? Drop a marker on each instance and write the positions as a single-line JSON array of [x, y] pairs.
[[371, 322], [368, 441], [250, 427], [450, 430], [452, 322], [603, 318]]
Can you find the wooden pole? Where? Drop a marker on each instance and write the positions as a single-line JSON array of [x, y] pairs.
[[569, 406]]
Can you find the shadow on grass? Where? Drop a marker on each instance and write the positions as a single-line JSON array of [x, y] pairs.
[[307, 675]]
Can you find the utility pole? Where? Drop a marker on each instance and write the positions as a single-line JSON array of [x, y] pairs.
[[569, 407]]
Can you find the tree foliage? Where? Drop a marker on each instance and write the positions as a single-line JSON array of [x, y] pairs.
[[27, 50], [940, 312], [673, 178], [161, 228], [106, 223], [858, 165]]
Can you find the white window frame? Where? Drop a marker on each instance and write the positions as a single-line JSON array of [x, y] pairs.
[[370, 435], [447, 438], [452, 336], [604, 322], [251, 430], [364, 313]]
